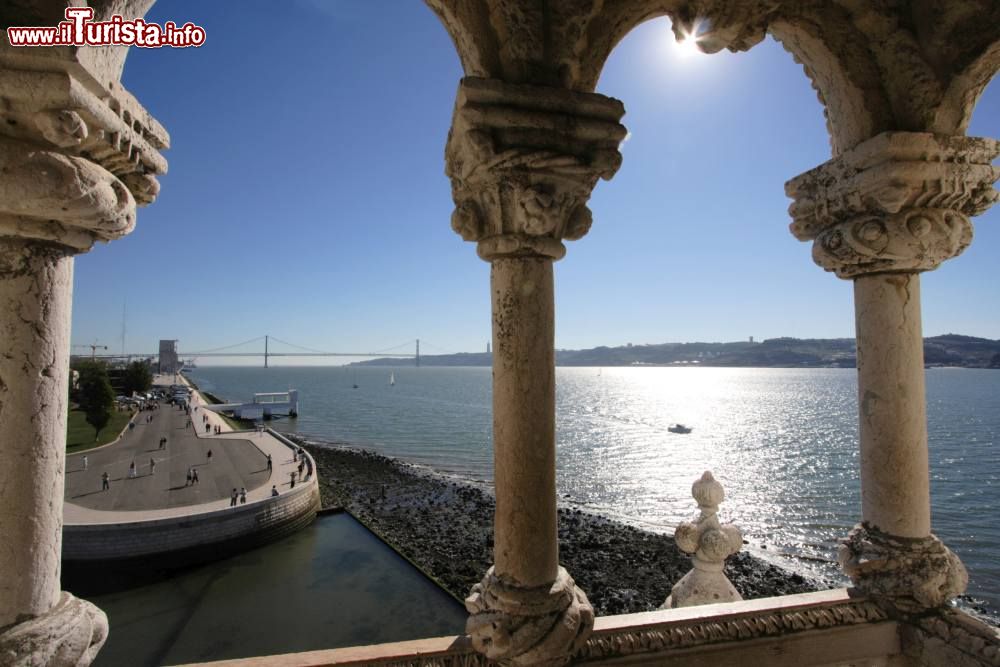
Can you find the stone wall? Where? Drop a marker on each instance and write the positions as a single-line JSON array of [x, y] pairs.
[[243, 526]]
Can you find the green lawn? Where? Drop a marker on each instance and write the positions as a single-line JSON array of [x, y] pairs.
[[80, 434]]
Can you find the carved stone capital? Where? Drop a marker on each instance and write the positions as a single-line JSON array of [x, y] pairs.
[[905, 574], [69, 635], [528, 626], [78, 154], [523, 161], [899, 202], [710, 543], [915, 239]]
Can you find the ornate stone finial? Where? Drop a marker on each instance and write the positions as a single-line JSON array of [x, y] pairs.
[[528, 626], [710, 543], [69, 635], [899, 202], [905, 574], [523, 161]]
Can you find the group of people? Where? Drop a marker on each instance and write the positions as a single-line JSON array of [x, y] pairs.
[[237, 496], [241, 494], [133, 471]]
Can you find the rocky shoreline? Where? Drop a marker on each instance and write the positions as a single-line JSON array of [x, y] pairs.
[[445, 527]]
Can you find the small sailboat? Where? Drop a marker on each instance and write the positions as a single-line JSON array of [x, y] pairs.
[[392, 379]]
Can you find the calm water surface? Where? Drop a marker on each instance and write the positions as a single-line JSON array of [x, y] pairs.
[[782, 441], [330, 585]]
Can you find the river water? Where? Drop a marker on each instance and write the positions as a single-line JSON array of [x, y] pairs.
[[782, 441]]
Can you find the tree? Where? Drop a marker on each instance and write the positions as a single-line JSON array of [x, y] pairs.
[[95, 395], [137, 378]]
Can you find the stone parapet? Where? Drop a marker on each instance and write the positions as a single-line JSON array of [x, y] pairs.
[[824, 628]]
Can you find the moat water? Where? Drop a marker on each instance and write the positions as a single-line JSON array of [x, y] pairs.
[[782, 441], [331, 585]]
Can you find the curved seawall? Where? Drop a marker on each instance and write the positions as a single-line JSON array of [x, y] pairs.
[[195, 531]]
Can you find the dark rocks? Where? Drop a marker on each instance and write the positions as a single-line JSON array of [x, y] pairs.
[[446, 528]]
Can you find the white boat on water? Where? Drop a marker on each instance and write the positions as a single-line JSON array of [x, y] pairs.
[[392, 379], [679, 428]]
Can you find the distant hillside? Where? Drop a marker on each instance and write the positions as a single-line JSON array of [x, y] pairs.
[[947, 350]]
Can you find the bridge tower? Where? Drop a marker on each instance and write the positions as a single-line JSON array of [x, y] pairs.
[[265, 351]]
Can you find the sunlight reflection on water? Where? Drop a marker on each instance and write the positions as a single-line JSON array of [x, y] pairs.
[[782, 441]]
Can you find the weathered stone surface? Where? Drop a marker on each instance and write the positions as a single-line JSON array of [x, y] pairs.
[[710, 543], [528, 626], [35, 293], [77, 154], [63, 199], [951, 637], [892, 407], [79, 151], [905, 574], [523, 161], [68, 635], [898, 202]]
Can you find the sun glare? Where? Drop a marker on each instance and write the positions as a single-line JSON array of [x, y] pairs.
[[687, 47]]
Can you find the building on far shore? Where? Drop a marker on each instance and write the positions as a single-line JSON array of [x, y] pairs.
[[169, 362]]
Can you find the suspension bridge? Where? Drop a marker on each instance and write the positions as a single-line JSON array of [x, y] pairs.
[[401, 351]]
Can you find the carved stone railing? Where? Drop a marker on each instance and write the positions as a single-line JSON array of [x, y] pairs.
[[775, 631]]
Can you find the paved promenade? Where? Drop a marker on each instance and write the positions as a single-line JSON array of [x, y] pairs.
[[238, 460]]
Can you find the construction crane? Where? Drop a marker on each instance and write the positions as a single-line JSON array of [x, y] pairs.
[[94, 347]]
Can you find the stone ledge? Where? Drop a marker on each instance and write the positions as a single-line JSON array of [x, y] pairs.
[[823, 628]]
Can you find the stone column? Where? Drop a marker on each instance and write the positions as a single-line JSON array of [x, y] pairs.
[[73, 164], [523, 161], [879, 214]]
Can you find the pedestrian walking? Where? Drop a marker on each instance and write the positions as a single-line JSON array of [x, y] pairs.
[[243, 495], [293, 479], [85, 461], [152, 467], [208, 427], [105, 481], [232, 498], [190, 475], [194, 475], [269, 464], [131, 470], [295, 455], [302, 464], [209, 455]]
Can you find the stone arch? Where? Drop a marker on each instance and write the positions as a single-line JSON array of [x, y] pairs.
[[832, 51], [472, 34], [967, 86], [854, 103]]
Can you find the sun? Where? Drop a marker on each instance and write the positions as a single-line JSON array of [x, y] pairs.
[[687, 47]]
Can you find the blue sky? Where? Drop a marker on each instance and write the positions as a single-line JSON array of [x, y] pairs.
[[306, 197]]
